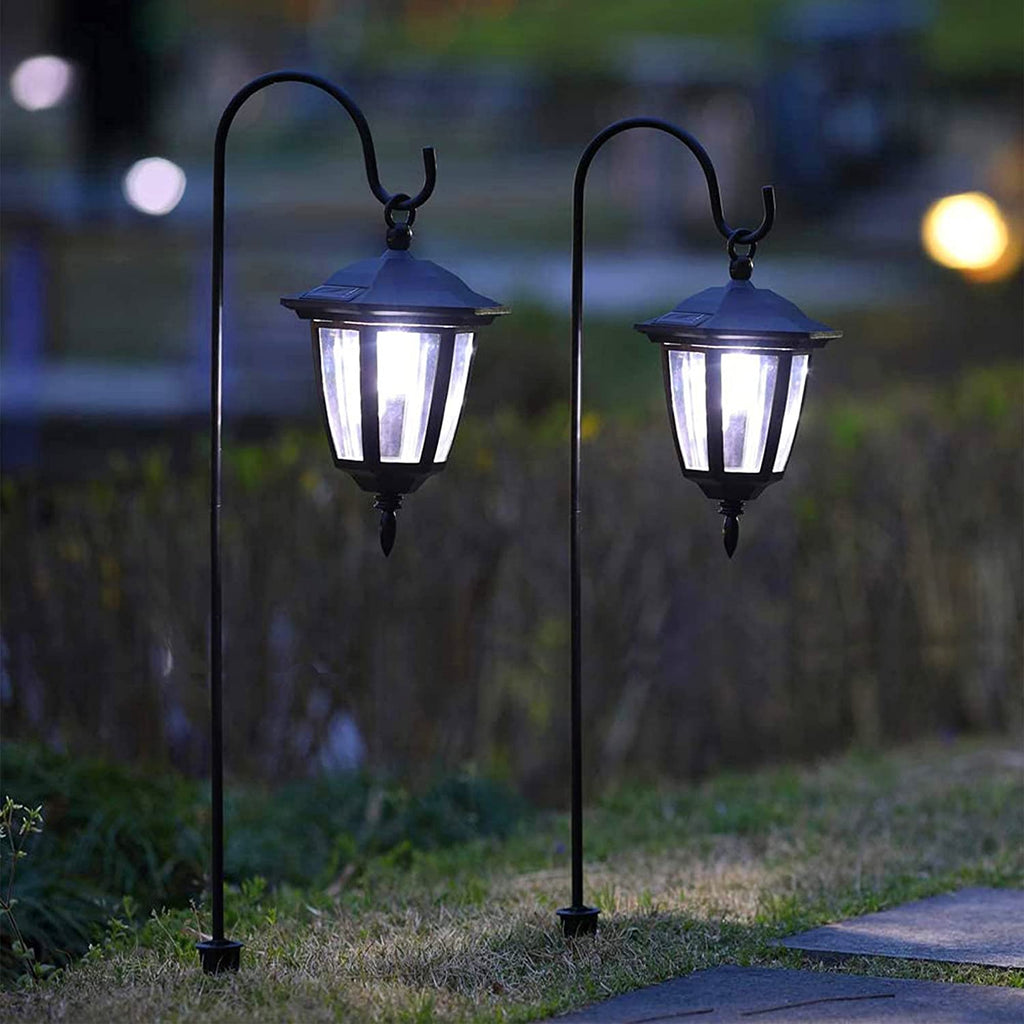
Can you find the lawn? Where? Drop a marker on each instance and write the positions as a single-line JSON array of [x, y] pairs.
[[686, 878]]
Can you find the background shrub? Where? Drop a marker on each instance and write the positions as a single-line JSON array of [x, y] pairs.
[[876, 596]]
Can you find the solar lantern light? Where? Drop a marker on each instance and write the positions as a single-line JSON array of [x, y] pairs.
[[393, 342], [735, 360], [392, 348]]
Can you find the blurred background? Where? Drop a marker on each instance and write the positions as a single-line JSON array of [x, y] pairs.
[[877, 591]]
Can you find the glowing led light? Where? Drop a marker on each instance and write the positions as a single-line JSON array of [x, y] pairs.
[[154, 185], [689, 406], [339, 368], [740, 373], [406, 365], [748, 383], [41, 82], [397, 365], [965, 231]]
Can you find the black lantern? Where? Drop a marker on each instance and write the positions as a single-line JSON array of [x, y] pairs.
[[393, 343], [735, 362]]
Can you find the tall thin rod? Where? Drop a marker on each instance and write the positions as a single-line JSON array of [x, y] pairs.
[[578, 918], [223, 954]]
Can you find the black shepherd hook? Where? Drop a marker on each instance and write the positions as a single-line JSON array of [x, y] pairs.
[[578, 918], [220, 953]]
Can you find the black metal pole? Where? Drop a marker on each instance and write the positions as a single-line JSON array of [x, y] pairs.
[[579, 919], [219, 953]]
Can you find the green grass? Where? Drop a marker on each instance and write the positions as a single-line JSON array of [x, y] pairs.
[[113, 834], [686, 877]]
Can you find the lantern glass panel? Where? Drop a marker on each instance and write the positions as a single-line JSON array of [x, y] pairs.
[[688, 379], [748, 386], [461, 360], [406, 365], [339, 370], [794, 401]]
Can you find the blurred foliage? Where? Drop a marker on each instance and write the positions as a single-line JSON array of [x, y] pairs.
[[110, 832], [327, 829], [119, 842], [875, 596], [977, 40], [961, 38], [564, 35]]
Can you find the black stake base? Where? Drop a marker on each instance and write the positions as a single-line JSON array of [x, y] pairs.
[[219, 955], [578, 921]]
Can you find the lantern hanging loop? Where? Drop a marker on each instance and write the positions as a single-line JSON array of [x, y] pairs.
[[741, 267], [740, 237], [397, 202], [399, 235]]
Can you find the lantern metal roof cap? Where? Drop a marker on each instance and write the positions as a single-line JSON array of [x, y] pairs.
[[755, 317], [393, 286]]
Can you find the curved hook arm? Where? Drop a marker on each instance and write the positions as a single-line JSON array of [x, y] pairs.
[[743, 236], [399, 201], [350, 105], [579, 916]]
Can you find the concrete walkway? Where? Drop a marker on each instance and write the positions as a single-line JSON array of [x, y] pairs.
[[744, 995], [975, 926], [972, 926]]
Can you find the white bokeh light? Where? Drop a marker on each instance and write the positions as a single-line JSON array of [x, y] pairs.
[[41, 82], [154, 185]]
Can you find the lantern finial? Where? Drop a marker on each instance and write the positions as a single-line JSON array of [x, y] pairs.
[[388, 504], [732, 510]]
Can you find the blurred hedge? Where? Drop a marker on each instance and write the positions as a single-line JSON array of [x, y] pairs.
[[876, 595], [960, 38]]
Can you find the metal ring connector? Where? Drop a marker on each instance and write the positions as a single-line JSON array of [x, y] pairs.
[[396, 203], [741, 267], [741, 236]]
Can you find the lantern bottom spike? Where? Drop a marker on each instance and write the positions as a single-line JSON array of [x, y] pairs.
[[732, 510], [388, 504]]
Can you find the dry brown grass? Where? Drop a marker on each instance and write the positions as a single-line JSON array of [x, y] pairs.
[[686, 878]]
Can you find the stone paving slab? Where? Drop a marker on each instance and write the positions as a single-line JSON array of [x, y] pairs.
[[749, 995], [972, 926]]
